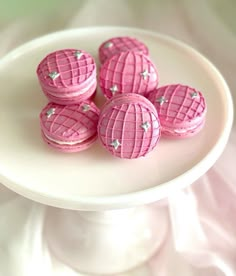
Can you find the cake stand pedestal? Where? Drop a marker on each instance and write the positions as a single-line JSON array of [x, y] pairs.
[[107, 242], [109, 227]]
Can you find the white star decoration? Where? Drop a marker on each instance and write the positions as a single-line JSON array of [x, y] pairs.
[[108, 44], [161, 100], [194, 95], [53, 75], [114, 89], [50, 112], [86, 107], [78, 54], [145, 126], [115, 143], [145, 74]]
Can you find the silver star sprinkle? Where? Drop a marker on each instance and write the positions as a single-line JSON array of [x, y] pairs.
[[53, 75], [108, 44], [78, 54], [145, 74], [50, 112], [86, 107], [161, 100], [194, 95], [114, 89], [115, 144], [145, 126]]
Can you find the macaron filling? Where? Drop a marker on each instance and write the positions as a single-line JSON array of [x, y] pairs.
[[70, 143], [182, 130], [75, 93]]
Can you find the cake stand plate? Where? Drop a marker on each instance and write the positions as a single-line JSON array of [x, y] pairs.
[[106, 240], [93, 179]]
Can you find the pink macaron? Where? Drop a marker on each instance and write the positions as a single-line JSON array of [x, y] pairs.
[[128, 72], [70, 128], [67, 76], [116, 45], [181, 109], [128, 126]]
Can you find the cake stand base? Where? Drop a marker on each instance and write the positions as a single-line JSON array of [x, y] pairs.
[[108, 242]]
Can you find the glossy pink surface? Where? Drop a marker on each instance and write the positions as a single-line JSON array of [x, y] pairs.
[[181, 109], [129, 126], [67, 76], [116, 45], [128, 72], [69, 128]]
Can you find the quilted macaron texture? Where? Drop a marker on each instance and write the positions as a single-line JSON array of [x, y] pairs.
[[67, 76], [181, 109], [129, 126], [116, 45], [128, 72], [70, 128]]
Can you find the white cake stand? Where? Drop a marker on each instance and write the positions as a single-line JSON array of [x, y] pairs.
[[106, 240]]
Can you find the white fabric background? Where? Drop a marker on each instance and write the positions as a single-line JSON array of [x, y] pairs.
[[203, 234]]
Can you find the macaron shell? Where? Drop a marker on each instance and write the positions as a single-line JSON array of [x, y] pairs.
[[68, 99], [182, 133], [123, 123], [120, 44], [128, 72], [71, 148], [129, 98], [181, 109], [69, 124], [72, 69]]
